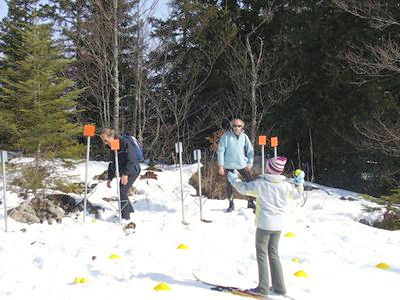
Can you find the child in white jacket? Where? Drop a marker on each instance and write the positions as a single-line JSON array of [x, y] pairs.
[[272, 192]]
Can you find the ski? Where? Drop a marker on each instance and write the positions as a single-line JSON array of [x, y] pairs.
[[230, 289], [239, 291]]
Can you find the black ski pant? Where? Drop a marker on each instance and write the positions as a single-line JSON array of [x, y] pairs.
[[246, 176], [126, 206]]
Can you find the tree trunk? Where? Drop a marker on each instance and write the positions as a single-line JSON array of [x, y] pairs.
[[116, 79]]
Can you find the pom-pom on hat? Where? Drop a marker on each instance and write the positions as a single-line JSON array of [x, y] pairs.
[[276, 165]]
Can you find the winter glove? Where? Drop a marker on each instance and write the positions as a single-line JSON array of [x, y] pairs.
[[232, 177], [299, 177]]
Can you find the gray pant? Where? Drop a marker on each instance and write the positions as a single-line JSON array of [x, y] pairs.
[[267, 252]]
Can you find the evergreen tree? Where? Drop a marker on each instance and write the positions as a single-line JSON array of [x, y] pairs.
[[21, 14], [37, 99]]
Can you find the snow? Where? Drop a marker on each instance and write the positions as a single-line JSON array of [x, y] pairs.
[[337, 252]]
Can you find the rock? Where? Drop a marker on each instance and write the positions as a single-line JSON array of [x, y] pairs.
[[149, 175], [103, 176], [46, 209], [24, 213], [365, 222], [65, 202], [52, 209]]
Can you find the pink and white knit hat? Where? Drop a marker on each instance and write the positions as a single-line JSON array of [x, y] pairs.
[[276, 165]]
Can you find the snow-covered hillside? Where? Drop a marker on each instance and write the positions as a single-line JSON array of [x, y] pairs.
[[328, 243]]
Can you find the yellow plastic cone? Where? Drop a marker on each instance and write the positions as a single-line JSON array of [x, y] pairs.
[[84, 280], [290, 234], [296, 259], [301, 273], [114, 256], [183, 247], [77, 280], [80, 280], [162, 287], [383, 266]]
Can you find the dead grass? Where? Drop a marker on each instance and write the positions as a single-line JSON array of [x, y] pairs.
[[213, 184]]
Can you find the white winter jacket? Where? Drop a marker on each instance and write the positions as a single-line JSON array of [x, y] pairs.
[[272, 193]]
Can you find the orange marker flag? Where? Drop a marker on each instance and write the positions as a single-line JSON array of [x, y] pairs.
[[274, 141], [115, 144], [262, 140], [88, 130]]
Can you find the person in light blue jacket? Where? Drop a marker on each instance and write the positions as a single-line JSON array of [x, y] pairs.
[[272, 192], [235, 152]]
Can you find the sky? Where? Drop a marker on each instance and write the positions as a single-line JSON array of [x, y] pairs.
[[161, 12], [3, 9], [326, 252]]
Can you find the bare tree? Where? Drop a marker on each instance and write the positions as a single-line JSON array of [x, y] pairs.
[[254, 72], [186, 66], [377, 12], [370, 61], [115, 62]]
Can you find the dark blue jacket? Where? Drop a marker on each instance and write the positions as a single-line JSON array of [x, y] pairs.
[[127, 162]]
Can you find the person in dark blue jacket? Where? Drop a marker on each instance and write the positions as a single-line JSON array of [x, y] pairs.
[[128, 164]]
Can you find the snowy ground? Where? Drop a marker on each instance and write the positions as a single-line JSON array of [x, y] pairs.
[[337, 252]]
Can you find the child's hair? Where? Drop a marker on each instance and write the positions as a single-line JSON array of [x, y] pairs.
[[109, 132]]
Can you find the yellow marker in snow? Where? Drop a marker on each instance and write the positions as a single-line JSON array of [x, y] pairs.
[[296, 259], [301, 273], [114, 256], [162, 287], [80, 280], [290, 234], [383, 266], [183, 247], [84, 280]]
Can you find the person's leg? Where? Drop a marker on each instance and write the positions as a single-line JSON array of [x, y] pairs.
[[278, 283], [262, 240], [229, 191], [126, 206], [247, 177]]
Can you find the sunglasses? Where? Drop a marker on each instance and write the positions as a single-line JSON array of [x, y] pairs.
[[237, 126]]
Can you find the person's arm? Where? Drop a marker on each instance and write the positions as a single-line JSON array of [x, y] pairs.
[[127, 156], [249, 152], [297, 190], [245, 188], [111, 169], [221, 153], [111, 166]]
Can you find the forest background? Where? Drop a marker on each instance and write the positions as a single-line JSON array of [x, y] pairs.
[[323, 76]]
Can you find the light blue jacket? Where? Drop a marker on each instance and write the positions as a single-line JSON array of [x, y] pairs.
[[272, 194], [235, 152]]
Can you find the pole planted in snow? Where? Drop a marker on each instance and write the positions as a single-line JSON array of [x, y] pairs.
[[179, 150], [197, 156], [115, 146], [88, 131], [262, 140], [274, 144], [4, 160]]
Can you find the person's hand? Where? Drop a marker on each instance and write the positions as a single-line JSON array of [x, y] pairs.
[[108, 183], [299, 177], [232, 177], [248, 168], [221, 170], [124, 179]]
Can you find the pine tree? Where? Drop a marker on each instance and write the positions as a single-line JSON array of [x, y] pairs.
[[37, 99], [21, 13]]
